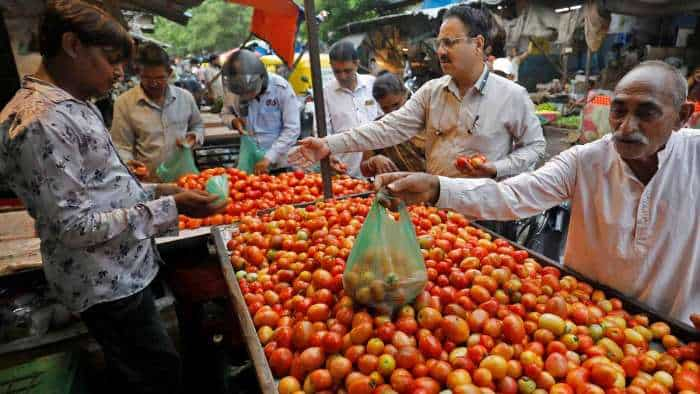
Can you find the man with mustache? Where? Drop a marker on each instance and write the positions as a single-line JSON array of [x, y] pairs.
[[468, 111], [634, 195]]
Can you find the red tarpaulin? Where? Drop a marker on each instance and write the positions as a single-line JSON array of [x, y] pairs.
[[275, 21]]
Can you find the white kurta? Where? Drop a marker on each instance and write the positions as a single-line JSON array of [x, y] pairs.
[[641, 240]]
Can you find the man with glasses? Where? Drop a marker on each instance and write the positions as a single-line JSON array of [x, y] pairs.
[[466, 112], [152, 119]]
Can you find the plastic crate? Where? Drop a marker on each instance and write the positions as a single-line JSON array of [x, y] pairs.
[[54, 374]]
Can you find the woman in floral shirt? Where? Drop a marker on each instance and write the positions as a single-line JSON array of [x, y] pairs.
[[95, 220]]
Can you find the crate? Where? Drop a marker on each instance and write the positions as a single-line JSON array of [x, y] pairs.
[[59, 373]]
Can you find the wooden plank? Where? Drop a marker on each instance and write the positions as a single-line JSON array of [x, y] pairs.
[[222, 234]]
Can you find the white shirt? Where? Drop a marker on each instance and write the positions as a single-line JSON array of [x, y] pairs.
[[516, 68], [641, 240], [346, 110], [495, 118]]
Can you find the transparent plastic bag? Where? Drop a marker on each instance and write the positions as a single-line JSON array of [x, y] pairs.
[[218, 185], [385, 269], [179, 164], [249, 154]]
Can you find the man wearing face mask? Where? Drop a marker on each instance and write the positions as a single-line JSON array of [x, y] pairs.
[[634, 209], [261, 104], [468, 111], [153, 118]]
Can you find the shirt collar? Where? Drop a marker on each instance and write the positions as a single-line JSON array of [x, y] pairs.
[[479, 85], [51, 91], [361, 84], [169, 97]]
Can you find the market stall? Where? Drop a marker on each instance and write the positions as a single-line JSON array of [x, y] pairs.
[[586, 319]]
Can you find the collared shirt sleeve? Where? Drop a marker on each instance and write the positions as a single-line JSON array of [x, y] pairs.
[[394, 128], [61, 186], [291, 125], [528, 138], [196, 125], [521, 196], [228, 110], [122, 133]]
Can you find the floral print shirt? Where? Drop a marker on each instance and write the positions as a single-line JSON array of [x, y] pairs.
[[95, 220]]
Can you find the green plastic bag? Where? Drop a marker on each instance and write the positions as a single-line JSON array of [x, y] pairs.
[[249, 154], [385, 269], [179, 164], [218, 185]]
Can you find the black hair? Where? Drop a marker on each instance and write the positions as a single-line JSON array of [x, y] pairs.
[[385, 84], [92, 25], [343, 51], [152, 55], [477, 21], [213, 58]]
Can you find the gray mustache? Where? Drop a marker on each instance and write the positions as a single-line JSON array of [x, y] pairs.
[[635, 138]]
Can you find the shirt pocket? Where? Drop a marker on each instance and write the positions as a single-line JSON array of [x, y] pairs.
[[270, 118]]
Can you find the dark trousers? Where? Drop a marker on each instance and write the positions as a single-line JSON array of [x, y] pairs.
[[140, 356]]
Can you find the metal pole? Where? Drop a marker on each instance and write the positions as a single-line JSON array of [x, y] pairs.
[[588, 67], [314, 57]]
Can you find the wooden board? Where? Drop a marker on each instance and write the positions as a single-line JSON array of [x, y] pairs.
[[268, 385]]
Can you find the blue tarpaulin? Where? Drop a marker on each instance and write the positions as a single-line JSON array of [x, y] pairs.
[[438, 3]]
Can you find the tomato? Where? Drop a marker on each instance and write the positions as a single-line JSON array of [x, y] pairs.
[[455, 328], [332, 342], [301, 334], [339, 367], [361, 333], [281, 361], [311, 358], [430, 346], [407, 357], [401, 380], [318, 312], [288, 385], [496, 365], [556, 364]]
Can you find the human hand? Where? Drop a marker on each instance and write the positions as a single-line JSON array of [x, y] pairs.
[[309, 151], [411, 187], [476, 166], [198, 204], [378, 164], [695, 318], [168, 189], [262, 167], [189, 141], [138, 169]]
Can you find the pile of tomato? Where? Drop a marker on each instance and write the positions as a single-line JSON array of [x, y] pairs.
[[250, 193], [490, 319]]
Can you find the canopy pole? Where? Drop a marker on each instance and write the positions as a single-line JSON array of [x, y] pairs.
[[319, 106]]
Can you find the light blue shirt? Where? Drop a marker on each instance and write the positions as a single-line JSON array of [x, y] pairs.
[[95, 220], [273, 117]]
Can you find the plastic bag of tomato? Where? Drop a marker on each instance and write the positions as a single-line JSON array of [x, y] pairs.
[[490, 319], [250, 193]]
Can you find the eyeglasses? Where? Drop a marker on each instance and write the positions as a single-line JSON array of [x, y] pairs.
[[448, 42]]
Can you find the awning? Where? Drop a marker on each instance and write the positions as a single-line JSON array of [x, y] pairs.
[[651, 7], [175, 10], [276, 21], [355, 39], [141, 37]]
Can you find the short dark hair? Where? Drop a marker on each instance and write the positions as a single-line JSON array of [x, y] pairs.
[[385, 84], [343, 51], [152, 55], [92, 25], [477, 21]]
